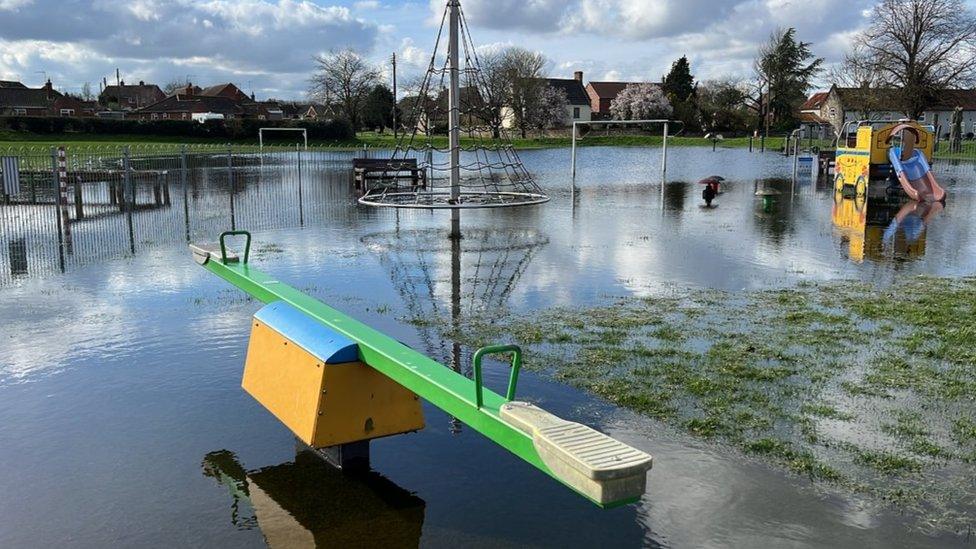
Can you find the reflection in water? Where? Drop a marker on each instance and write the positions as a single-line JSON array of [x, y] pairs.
[[308, 503], [495, 261], [880, 229]]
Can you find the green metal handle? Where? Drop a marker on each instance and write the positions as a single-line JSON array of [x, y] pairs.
[[513, 378], [223, 247]]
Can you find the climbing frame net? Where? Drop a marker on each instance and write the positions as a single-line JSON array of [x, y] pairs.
[[490, 172]]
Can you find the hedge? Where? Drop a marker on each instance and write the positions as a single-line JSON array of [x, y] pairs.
[[333, 130]]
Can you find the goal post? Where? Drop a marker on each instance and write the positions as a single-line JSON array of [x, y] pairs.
[[262, 130], [664, 146]]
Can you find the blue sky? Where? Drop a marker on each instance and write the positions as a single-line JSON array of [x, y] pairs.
[[266, 46]]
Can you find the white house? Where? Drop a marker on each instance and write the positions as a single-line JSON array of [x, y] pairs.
[[578, 106]]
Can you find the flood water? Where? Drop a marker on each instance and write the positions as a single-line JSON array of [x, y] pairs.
[[124, 423]]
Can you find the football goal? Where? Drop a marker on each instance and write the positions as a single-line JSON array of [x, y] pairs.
[[262, 130], [666, 124]]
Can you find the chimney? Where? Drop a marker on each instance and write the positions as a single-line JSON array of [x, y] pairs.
[[252, 96], [142, 83], [189, 89], [122, 82], [578, 75], [49, 89]]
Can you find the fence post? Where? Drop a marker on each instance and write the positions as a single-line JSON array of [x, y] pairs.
[[63, 198], [751, 137], [57, 209], [79, 208], [301, 206], [183, 181], [664, 156], [762, 143], [230, 178], [128, 196]]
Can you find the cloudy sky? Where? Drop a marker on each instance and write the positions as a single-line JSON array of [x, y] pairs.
[[266, 46]]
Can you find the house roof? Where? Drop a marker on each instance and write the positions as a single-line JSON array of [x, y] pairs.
[[812, 118], [575, 92], [815, 101], [144, 94], [35, 98], [11, 84], [885, 99], [610, 90], [193, 103], [228, 90]]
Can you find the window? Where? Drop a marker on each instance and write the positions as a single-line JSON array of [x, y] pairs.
[[67, 112], [165, 115], [132, 100], [155, 116], [576, 113], [833, 112], [921, 117], [20, 112], [183, 116]]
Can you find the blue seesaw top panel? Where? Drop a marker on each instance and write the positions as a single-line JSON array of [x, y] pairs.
[[321, 342]]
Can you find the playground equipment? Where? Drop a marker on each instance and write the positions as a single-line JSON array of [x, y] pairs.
[[262, 130], [664, 143], [861, 223], [862, 163], [486, 174], [307, 362]]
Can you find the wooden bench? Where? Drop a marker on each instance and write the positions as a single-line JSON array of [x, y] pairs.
[[388, 172]]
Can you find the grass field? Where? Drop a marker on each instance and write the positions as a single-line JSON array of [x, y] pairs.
[[10, 139]]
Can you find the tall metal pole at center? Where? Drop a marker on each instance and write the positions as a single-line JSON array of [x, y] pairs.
[[454, 118]]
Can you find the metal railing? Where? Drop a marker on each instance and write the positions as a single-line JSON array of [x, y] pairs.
[[111, 201]]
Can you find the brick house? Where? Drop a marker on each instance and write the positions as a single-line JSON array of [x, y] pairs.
[[17, 99], [602, 94], [183, 104], [131, 97]]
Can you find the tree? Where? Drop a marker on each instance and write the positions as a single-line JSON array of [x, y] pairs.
[[343, 77], [640, 102], [723, 108], [522, 72], [175, 85], [681, 90], [785, 69], [548, 109], [378, 108], [494, 90], [921, 47], [86, 92]]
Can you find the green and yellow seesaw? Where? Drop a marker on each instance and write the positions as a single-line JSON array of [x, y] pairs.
[[335, 382]]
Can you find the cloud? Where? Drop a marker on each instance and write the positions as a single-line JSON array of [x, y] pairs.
[[215, 37]]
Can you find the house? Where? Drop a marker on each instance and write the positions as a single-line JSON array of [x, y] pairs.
[[578, 108], [602, 94], [130, 97], [228, 91], [183, 104], [305, 111], [842, 105], [17, 99]]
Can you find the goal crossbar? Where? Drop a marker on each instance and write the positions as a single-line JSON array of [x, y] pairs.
[[664, 146], [262, 130]]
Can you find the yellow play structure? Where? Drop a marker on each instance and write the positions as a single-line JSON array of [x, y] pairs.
[[864, 159], [865, 200]]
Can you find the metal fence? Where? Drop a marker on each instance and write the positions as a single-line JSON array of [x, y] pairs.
[[66, 207]]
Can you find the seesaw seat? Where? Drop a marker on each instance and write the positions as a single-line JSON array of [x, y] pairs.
[[604, 469]]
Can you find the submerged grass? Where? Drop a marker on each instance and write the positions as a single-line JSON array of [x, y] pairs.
[[867, 388]]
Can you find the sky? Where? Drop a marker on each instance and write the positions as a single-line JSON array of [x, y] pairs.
[[267, 46]]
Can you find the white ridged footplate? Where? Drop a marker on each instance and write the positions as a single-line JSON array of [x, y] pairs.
[[604, 469], [204, 251]]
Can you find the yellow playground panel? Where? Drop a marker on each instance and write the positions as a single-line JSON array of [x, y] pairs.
[[312, 380], [868, 160]]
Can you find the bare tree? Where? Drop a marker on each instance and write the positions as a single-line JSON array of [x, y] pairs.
[[86, 92], [922, 47], [345, 78], [522, 72], [860, 76], [494, 90], [175, 85]]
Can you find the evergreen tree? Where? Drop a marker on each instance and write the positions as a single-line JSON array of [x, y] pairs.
[[680, 88], [786, 69], [378, 108]]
